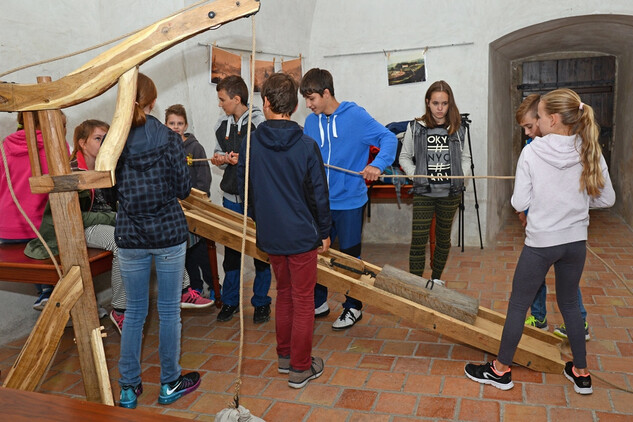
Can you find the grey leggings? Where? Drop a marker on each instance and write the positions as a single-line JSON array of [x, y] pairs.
[[534, 263]]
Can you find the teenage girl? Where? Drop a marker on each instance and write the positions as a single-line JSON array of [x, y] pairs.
[[559, 177], [436, 142]]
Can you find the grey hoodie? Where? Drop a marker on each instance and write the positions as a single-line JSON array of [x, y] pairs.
[[548, 183]]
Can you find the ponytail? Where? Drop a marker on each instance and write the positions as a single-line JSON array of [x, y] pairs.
[[145, 95], [579, 117]]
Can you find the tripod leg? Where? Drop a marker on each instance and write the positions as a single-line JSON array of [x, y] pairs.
[[472, 169]]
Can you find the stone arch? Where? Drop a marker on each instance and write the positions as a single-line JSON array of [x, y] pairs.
[[587, 34]]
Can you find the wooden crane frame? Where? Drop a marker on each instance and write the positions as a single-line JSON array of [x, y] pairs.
[[116, 65]]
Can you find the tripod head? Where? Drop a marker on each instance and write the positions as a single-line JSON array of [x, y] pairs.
[[465, 120]]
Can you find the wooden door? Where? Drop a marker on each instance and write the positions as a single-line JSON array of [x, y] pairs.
[[593, 78]]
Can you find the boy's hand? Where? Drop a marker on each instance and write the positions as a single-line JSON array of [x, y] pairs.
[[371, 173], [232, 157], [522, 218], [325, 246], [218, 159]]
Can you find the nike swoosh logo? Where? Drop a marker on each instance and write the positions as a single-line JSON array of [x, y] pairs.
[[488, 375], [171, 390]]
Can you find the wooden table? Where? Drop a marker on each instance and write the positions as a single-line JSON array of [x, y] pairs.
[[25, 406]]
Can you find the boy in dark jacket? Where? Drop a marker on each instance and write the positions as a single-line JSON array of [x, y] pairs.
[[289, 200]]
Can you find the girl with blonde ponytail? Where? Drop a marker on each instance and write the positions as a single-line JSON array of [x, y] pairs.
[[559, 176]]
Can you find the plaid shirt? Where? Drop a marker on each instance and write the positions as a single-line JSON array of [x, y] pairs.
[[151, 175]]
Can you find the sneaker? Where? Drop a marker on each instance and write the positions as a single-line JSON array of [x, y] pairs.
[[298, 379], [322, 311], [117, 319], [191, 299], [562, 331], [262, 314], [438, 282], [227, 312], [172, 391], [349, 317], [283, 364], [42, 300], [486, 374], [532, 321], [129, 395], [582, 384]]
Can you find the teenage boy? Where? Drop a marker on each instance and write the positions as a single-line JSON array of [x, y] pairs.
[[230, 132], [344, 132], [527, 118], [292, 227]]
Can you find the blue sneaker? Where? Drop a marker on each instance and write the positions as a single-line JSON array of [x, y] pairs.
[[42, 299], [129, 395], [172, 391]]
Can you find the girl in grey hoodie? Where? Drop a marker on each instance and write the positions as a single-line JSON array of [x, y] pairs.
[[559, 177]]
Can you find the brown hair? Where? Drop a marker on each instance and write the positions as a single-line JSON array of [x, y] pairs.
[[83, 131], [234, 85], [281, 91], [580, 120], [529, 105], [317, 81], [178, 110], [453, 118], [145, 95]]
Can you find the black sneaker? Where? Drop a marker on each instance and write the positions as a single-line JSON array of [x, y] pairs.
[[262, 314], [485, 374], [227, 312], [172, 391], [582, 384]]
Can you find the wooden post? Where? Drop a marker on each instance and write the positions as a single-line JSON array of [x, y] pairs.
[[72, 245]]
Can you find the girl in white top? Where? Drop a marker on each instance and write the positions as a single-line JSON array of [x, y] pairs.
[[559, 177]]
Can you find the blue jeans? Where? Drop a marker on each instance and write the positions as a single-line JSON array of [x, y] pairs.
[[539, 306], [348, 226], [136, 265], [231, 265]]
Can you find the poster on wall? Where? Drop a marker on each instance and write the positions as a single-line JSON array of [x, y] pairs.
[[406, 67], [293, 68], [263, 70], [223, 64]]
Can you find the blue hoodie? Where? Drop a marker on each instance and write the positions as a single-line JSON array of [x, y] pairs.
[[288, 191], [344, 139]]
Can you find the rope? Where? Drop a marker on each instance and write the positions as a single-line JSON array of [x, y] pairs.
[[94, 47], [238, 383], [26, 217]]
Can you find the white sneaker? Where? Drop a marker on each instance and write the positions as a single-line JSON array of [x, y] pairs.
[[348, 318], [438, 282], [321, 311]]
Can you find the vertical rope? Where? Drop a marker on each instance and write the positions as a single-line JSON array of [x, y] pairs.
[[238, 382]]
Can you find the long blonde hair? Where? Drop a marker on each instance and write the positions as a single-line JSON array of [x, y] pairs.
[[579, 117]]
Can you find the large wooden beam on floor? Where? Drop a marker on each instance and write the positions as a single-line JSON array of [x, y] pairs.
[[537, 350], [29, 369]]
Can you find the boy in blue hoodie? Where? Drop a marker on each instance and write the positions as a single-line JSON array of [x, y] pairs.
[[292, 212], [344, 132]]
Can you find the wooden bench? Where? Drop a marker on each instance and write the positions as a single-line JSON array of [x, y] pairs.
[[17, 267]]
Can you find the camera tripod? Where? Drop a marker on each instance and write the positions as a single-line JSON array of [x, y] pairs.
[[460, 236]]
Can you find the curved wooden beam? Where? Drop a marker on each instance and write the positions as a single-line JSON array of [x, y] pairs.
[[103, 71], [114, 142]]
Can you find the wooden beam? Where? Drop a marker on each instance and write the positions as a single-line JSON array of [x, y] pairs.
[[113, 144], [99, 74], [71, 182], [69, 230], [537, 350], [102, 367], [31, 366]]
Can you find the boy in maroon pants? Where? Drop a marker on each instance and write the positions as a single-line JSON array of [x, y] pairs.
[[289, 199]]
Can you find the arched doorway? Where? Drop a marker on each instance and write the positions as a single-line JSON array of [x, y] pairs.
[[555, 40]]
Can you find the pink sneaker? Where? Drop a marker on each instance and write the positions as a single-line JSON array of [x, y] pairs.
[[191, 299], [117, 319]]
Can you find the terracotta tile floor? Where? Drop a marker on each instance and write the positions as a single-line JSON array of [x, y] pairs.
[[388, 369]]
